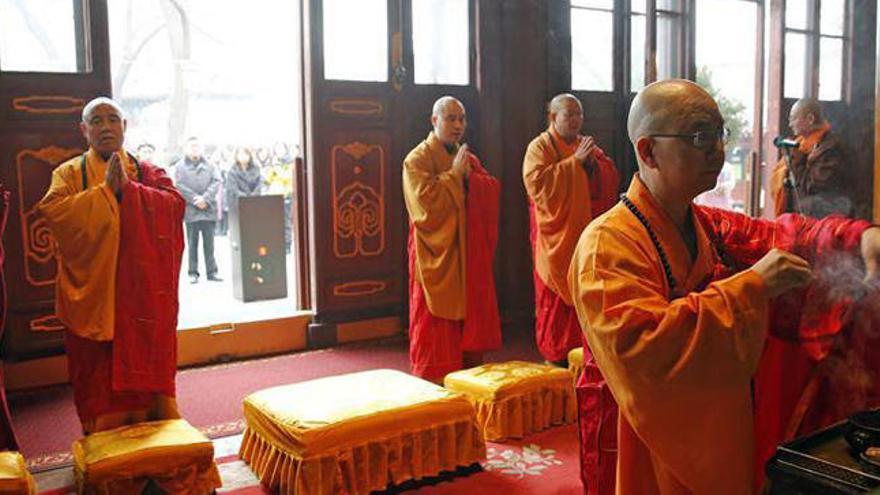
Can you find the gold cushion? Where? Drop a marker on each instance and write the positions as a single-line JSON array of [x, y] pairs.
[[322, 416], [498, 381], [516, 398], [143, 449], [14, 476]]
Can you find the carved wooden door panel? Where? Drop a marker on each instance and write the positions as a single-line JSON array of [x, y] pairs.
[[368, 102], [41, 101]]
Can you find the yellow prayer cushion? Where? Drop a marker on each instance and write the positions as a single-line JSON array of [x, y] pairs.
[[141, 450], [14, 476], [311, 418], [357, 433], [516, 398]]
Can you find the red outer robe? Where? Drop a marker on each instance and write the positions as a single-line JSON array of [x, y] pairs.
[[141, 360], [785, 368], [803, 324], [437, 344]]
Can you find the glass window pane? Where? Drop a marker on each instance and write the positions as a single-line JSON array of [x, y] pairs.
[[596, 4], [637, 53], [39, 36], [830, 69], [795, 65], [832, 16], [592, 37], [796, 13], [440, 42], [363, 57], [669, 5], [668, 56], [638, 6], [727, 71]]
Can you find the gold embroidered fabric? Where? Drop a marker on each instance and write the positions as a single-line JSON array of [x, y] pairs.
[[357, 433], [516, 398], [14, 476], [171, 453], [576, 363]]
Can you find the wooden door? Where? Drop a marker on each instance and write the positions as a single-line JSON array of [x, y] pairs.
[[368, 102], [40, 109]]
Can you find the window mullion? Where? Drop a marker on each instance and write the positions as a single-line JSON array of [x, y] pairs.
[[650, 42], [813, 62]]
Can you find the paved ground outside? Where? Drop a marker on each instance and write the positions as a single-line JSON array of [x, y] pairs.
[[211, 303]]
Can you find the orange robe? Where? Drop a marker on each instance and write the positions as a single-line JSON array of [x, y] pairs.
[[679, 362], [121, 349], [453, 307], [679, 365], [564, 195]]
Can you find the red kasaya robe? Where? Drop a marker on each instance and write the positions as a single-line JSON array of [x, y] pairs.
[[451, 245], [126, 360], [692, 349]]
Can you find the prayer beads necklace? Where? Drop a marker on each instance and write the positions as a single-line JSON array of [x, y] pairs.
[[667, 270]]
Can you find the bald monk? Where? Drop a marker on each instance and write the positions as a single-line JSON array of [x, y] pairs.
[[569, 181], [118, 228], [453, 209], [674, 299], [820, 166]]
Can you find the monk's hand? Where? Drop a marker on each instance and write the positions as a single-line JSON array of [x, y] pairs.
[[871, 254], [461, 164], [115, 176], [200, 202], [782, 271], [585, 148]]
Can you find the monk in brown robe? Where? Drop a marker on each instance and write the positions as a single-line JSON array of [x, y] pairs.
[[674, 300], [569, 181], [118, 230], [453, 209], [818, 184]]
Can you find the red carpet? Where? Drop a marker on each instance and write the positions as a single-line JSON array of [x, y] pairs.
[[210, 398], [545, 463]]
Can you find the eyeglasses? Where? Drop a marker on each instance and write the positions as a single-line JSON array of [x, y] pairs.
[[703, 140]]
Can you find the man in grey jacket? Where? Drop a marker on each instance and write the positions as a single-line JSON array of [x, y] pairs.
[[198, 181]]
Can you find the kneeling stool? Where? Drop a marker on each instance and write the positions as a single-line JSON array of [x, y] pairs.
[[169, 453], [516, 398], [357, 433]]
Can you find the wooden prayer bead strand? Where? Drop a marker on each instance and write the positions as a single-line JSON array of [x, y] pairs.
[[667, 270]]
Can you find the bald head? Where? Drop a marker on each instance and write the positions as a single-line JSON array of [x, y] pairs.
[[805, 116], [561, 101], [566, 114], [667, 106], [665, 120], [443, 104], [809, 106], [449, 120], [101, 100]]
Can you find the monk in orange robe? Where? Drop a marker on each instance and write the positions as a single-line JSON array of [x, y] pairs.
[[819, 181], [118, 230], [569, 181], [674, 300], [453, 209]]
